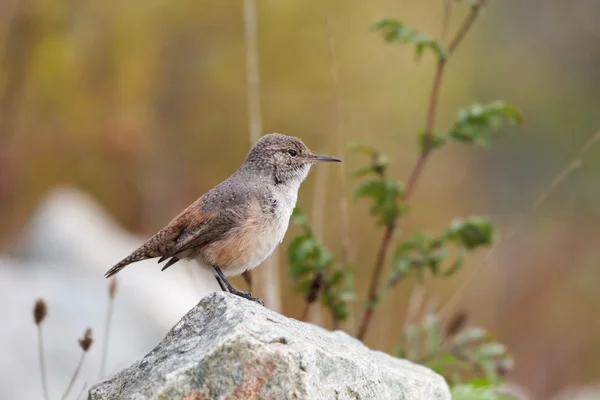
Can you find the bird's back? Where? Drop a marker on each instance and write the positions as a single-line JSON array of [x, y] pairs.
[[217, 214]]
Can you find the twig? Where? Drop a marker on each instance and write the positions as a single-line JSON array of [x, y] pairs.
[[112, 289], [337, 121], [81, 391], [74, 377], [446, 18], [368, 315], [266, 282], [433, 98], [318, 218], [313, 294], [305, 312], [418, 168], [345, 258], [42, 362]]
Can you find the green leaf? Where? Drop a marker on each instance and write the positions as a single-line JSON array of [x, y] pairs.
[[395, 31], [363, 171], [298, 218], [457, 264], [375, 189], [431, 323], [477, 123], [472, 233], [473, 392], [437, 140]]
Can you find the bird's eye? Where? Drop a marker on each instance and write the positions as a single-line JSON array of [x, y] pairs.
[[292, 153]]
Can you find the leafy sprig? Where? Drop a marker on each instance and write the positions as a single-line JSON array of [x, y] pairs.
[[309, 260], [395, 31], [464, 352]]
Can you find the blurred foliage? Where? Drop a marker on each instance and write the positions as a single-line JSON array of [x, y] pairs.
[[309, 262], [396, 31], [475, 124], [459, 353], [384, 191], [423, 252], [477, 392]]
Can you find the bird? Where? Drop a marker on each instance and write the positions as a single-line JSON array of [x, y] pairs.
[[237, 224]]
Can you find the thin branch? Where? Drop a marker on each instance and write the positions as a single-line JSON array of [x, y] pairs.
[[566, 172], [434, 96], [344, 224], [74, 377], [266, 279], [446, 18], [418, 168], [109, 312], [42, 362], [373, 288]]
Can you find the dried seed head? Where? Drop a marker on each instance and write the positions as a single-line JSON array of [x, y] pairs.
[[112, 288], [86, 341], [315, 288], [456, 323], [39, 311]]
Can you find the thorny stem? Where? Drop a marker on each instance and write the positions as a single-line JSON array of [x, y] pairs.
[[42, 362], [418, 168], [74, 377]]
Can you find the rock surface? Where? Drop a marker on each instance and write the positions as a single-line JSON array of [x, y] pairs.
[[229, 348]]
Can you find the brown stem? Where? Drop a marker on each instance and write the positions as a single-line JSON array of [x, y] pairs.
[[373, 288], [266, 282], [305, 312], [418, 168]]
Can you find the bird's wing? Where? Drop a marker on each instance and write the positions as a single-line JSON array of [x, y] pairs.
[[194, 227]]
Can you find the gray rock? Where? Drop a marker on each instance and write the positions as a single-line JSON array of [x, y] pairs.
[[229, 348]]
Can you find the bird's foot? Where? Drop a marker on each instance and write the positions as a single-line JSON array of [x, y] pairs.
[[248, 296]]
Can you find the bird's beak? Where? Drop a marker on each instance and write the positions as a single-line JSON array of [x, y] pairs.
[[319, 157]]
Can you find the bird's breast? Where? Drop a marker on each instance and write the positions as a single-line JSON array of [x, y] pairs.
[[255, 238]]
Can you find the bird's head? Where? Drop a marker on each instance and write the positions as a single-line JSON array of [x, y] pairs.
[[286, 156]]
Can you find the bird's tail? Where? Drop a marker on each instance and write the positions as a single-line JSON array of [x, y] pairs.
[[140, 254]]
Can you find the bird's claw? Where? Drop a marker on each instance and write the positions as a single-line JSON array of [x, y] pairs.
[[248, 296]]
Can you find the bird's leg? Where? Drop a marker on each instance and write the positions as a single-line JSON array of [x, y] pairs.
[[228, 288], [220, 282]]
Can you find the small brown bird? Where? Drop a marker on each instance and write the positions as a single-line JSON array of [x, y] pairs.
[[236, 225]]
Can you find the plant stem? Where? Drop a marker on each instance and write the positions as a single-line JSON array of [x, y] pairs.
[[42, 362], [74, 377], [418, 168], [373, 289], [107, 325], [265, 280]]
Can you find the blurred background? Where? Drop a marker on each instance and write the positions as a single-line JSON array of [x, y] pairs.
[[114, 116]]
